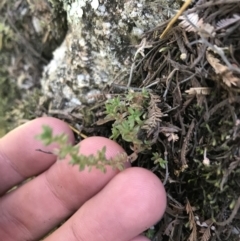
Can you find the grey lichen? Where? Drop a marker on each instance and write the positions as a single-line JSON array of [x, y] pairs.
[[99, 46]]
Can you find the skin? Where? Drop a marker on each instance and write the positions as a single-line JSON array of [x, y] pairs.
[[112, 206]]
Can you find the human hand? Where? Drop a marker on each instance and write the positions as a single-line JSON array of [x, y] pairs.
[[103, 207]]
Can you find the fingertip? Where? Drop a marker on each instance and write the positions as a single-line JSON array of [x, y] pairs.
[[140, 238], [135, 196], [91, 145], [147, 187], [18, 156], [67, 180], [58, 126], [32, 128]]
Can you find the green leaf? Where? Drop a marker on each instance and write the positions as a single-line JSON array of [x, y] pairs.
[[46, 135]]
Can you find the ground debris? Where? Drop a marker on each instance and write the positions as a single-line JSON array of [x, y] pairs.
[[29, 32], [189, 118], [194, 72]]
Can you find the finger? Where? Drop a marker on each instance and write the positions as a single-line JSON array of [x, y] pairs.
[[35, 208], [18, 156], [140, 238], [131, 202]]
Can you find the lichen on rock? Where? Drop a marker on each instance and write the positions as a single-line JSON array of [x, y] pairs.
[[98, 48]]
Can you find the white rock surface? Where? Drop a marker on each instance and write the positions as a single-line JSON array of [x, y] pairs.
[[99, 47]]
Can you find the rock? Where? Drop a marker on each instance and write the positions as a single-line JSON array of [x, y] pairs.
[[99, 47]]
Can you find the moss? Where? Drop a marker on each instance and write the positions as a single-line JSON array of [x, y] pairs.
[[29, 33], [8, 88]]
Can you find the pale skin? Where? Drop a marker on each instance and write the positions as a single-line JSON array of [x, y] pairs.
[[115, 206]]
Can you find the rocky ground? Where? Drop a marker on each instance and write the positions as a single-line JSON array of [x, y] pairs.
[[174, 100]]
